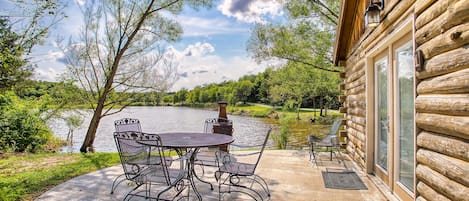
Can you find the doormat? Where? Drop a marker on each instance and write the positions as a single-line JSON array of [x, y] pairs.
[[347, 180]]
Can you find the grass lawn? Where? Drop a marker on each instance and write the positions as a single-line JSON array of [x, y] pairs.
[[266, 110], [26, 176], [251, 110]]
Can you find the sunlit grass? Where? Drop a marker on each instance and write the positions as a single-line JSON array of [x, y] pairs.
[[24, 177], [251, 110], [266, 110]]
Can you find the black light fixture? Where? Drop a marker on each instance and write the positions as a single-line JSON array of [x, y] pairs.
[[372, 18]]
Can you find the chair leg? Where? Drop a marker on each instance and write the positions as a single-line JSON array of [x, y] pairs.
[[203, 181], [315, 159], [114, 184], [266, 187], [249, 191]]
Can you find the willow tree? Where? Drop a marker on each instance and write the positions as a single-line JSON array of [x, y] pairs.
[[305, 38], [120, 51]]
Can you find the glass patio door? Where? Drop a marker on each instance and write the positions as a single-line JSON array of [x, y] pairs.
[[382, 117], [404, 118], [394, 117]]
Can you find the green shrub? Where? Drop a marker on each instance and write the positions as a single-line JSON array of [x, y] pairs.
[[281, 138], [21, 127]]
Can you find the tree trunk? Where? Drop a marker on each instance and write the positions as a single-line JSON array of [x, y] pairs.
[[91, 133], [325, 110], [298, 106], [321, 105], [314, 109]]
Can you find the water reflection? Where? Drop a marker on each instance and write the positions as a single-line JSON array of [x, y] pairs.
[[247, 130]]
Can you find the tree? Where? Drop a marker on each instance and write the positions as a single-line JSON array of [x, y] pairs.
[[306, 39], [243, 90], [180, 96], [119, 52], [13, 68], [283, 88], [19, 34]]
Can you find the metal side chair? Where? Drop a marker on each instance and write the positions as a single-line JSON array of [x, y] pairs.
[[207, 156], [127, 124], [133, 125], [132, 153], [124, 125], [163, 174], [329, 144], [240, 175]]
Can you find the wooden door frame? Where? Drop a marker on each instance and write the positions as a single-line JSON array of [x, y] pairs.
[[405, 27], [399, 188]]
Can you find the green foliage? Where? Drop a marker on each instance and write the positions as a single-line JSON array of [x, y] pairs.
[[281, 138], [58, 93], [19, 37], [23, 177], [21, 127], [270, 87], [12, 66], [305, 38]]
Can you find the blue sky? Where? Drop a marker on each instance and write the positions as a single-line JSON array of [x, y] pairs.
[[212, 49]]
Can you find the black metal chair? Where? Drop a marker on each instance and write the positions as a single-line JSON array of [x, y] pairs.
[[127, 124], [241, 175], [135, 158], [133, 125], [207, 156], [329, 144], [124, 125]]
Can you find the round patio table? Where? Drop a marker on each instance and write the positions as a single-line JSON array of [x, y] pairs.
[[182, 141]]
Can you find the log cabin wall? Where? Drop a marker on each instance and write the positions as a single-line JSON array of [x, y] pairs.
[[395, 12], [442, 102], [441, 34]]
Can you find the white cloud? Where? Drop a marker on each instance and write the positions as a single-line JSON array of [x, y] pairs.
[[251, 10], [49, 74], [204, 68], [81, 2], [197, 26], [198, 49]]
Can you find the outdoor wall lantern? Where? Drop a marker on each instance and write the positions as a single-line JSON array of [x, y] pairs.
[[372, 13]]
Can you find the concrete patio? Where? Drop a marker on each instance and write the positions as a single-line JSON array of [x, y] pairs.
[[290, 174]]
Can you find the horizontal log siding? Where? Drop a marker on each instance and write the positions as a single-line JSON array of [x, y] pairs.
[[442, 103], [440, 64], [427, 193], [355, 85], [441, 184]]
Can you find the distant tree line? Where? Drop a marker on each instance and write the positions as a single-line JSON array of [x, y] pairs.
[[291, 86]]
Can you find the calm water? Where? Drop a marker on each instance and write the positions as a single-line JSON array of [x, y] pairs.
[[247, 130]]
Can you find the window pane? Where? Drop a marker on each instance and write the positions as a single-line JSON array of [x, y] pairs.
[[382, 113], [405, 73]]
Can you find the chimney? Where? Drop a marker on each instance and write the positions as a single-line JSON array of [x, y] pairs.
[[222, 110], [223, 126]]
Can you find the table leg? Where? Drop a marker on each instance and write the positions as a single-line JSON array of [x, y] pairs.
[[195, 174], [191, 173]]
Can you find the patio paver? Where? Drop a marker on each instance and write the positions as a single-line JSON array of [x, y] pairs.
[[291, 176]]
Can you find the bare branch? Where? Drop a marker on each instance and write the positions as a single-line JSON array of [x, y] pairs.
[[328, 16], [163, 7]]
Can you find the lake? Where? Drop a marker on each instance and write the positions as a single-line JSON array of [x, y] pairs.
[[247, 130]]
